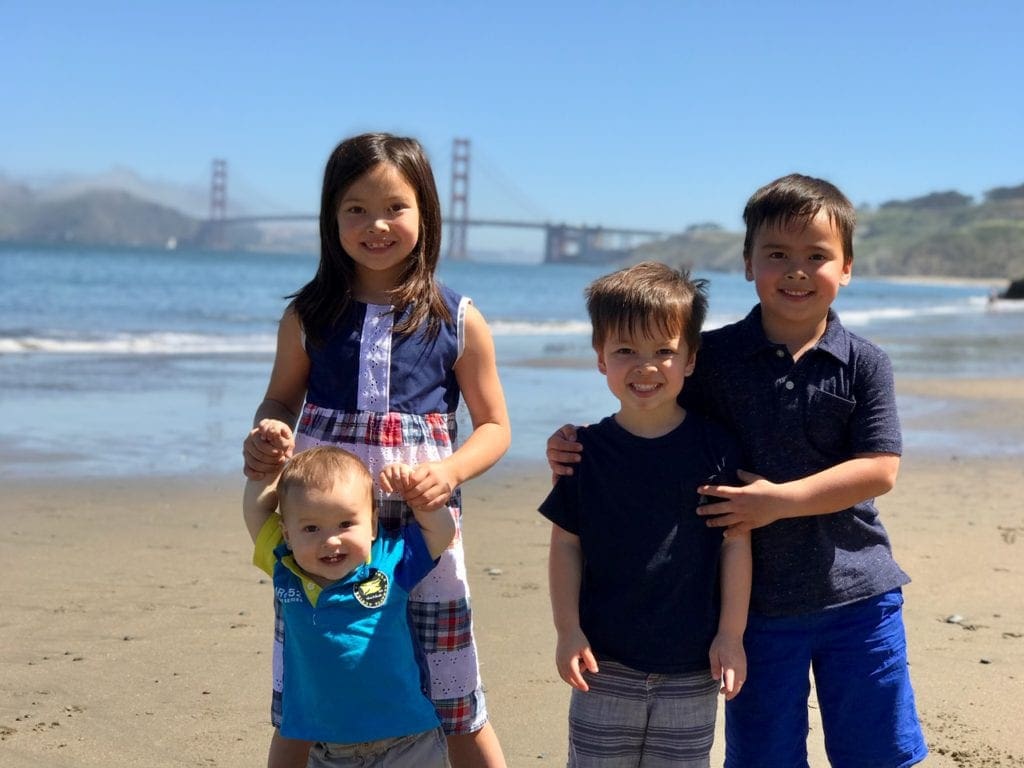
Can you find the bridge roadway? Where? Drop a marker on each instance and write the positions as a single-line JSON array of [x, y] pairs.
[[562, 242]]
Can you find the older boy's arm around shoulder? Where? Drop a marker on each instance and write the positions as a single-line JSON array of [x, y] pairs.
[[727, 656], [761, 502], [565, 574]]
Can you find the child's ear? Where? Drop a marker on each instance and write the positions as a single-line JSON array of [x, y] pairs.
[[847, 274], [600, 363], [690, 364], [748, 269]]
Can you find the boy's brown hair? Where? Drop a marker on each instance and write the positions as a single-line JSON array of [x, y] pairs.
[[795, 199], [645, 298], [320, 468]]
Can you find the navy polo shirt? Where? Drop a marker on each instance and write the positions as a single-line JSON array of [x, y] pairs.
[[794, 419]]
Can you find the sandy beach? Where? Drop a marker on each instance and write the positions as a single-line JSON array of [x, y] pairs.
[[135, 632]]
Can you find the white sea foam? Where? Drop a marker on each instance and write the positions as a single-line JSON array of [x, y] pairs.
[[539, 327], [157, 343]]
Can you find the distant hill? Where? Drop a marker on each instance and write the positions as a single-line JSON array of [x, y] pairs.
[[103, 217], [941, 234]]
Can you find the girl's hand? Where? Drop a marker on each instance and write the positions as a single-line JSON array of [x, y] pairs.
[[572, 656], [266, 448], [428, 486]]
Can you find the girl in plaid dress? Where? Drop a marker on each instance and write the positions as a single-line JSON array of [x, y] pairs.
[[373, 355]]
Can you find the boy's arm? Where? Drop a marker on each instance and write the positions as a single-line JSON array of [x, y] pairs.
[[762, 502], [565, 573], [259, 503], [438, 528], [728, 659], [436, 523]]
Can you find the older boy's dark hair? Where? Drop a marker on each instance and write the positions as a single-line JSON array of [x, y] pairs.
[[646, 298], [320, 468], [327, 297], [796, 199]]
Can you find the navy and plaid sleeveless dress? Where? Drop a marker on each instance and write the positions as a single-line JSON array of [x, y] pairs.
[[392, 398]]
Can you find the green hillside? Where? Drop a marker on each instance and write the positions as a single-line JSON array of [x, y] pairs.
[[941, 234]]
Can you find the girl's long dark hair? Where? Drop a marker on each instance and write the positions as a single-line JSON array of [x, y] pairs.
[[325, 299]]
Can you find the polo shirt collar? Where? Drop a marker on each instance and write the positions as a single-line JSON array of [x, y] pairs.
[[835, 341]]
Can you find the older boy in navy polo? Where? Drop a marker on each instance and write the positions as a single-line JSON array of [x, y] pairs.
[[814, 408]]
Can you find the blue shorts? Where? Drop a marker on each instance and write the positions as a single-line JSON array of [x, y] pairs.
[[858, 653]]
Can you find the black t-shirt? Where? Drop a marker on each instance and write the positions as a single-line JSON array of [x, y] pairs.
[[649, 596]]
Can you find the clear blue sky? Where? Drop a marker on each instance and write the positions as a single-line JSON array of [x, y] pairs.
[[642, 114]]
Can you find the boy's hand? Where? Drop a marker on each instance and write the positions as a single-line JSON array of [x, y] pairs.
[[728, 663], [754, 505], [563, 451], [572, 656], [394, 478], [425, 487], [266, 448]]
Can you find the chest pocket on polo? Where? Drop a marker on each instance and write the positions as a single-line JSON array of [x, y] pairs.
[[826, 421]]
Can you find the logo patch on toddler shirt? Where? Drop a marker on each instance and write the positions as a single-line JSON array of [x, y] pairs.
[[373, 591]]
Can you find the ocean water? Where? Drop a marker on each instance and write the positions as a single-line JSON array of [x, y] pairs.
[[126, 362]]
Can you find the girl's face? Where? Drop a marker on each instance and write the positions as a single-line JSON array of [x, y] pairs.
[[379, 224]]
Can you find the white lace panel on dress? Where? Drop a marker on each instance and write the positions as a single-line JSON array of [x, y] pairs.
[[375, 360]]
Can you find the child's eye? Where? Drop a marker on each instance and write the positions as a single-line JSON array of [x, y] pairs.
[[776, 255], [398, 207], [354, 210], [310, 528], [666, 352], [345, 524], [623, 351]]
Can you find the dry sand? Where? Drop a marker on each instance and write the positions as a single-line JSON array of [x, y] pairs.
[[134, 631]]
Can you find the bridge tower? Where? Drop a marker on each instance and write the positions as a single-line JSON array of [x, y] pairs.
[[218, 201], [458, 213]]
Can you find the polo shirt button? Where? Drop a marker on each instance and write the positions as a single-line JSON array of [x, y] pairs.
[[780, 353], [790, 385]]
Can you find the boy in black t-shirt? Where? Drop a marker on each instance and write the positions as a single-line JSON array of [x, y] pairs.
[[649, 603]]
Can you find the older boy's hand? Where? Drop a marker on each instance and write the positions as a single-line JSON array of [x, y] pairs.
[[563, 451], [728, 664], [266, 448], [572, 656], [754, 505]]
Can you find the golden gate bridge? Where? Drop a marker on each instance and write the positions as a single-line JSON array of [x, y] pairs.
[[580, 243]]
